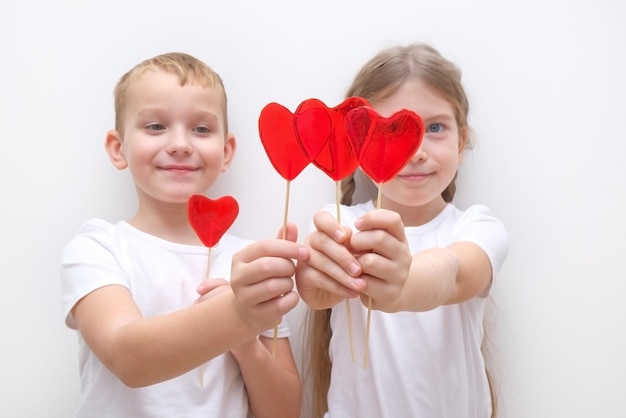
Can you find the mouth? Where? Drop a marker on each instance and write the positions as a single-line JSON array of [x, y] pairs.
[[178, 168], [413, 176]]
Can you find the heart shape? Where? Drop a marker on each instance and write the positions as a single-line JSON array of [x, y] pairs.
[[280, 141], [384, 145], [211, 218], [313, 126], [337, 157]]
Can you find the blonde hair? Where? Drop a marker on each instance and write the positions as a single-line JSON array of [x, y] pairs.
[[377, 80], [187, 68]]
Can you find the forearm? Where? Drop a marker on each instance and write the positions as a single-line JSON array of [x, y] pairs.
[[272, 382], [151, 350], [431, 281]]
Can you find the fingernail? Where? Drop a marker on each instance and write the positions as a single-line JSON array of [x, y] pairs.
[[354, 268], [200, 288], [340, 234], [303, 252]]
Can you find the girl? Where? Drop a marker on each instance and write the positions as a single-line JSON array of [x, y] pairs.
[[427, 265]]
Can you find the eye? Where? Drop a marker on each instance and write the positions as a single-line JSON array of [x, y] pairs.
[[434, 128], [155, 127], [202, 130]]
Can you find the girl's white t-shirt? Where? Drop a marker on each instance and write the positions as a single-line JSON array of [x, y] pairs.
[[420, 364], [162, 277]]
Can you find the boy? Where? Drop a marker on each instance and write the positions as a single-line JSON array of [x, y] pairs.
[[155, 338]]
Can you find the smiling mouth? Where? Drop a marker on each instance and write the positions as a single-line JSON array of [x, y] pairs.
[[414, 176], [176, 169]]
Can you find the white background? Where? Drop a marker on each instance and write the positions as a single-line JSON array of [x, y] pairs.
[[548, 107]]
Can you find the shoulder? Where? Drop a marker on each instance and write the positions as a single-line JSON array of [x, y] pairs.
[[479, 225], [94, 230]]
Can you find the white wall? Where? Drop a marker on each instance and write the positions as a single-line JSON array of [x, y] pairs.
[[548, 100]]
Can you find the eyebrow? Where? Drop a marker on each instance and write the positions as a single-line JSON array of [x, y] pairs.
[[444, 116]]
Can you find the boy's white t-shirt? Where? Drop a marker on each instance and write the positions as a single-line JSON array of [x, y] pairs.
[[162, 277], [420, 364]]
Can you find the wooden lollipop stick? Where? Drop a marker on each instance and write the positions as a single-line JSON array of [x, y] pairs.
[[285, 217], [379, 199], [208, 275], [348, 312]]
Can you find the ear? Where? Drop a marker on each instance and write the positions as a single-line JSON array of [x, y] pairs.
[[463, 137], [230, 146], [113, 146]]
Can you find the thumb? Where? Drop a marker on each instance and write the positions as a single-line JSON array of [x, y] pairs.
[[288, 232]]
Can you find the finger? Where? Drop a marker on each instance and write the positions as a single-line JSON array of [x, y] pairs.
[[263, 291], [325, 222], [290, 232], [386, 220], [377, 241], [271, 248], [311, 280], [331, 253], [210, 284], [278, 307]]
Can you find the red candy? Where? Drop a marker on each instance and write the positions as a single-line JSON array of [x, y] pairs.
[[211, 218]]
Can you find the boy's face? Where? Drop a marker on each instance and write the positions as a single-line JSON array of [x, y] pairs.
[[174, 140]]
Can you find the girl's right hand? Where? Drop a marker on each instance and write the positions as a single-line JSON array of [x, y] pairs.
[[331, 272]]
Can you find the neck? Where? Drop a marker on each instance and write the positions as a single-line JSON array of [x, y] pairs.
[[166, 221], [415, 215]]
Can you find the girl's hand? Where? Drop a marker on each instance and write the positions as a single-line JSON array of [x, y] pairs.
[[384, 255], [331, 272], [210, 288], [261, 279]]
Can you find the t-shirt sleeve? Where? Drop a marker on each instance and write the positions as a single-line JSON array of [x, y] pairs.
[[480, 226], [88, 262]]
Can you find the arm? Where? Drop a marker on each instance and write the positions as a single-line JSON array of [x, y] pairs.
[[272, 382], [143, 351], [394, 278], [399, 281]]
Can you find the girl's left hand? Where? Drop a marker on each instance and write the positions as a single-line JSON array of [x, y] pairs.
[[383, 253]]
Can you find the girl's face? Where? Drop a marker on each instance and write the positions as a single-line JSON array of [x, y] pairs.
[[174, 141], [434, 165]]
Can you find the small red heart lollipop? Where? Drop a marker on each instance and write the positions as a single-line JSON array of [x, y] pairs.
[[384, 145], [211, 218]]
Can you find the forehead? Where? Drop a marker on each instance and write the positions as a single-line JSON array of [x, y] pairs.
[[417, 96], [162, 86]]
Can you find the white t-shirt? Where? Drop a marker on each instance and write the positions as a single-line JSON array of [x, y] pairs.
[[162, 277], [420, 364]]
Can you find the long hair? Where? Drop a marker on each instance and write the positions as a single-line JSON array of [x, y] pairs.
[[378, 79]]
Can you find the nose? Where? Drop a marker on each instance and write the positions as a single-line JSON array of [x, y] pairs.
[[420, 154], [178, 143]]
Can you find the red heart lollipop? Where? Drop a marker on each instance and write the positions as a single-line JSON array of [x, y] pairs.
[[211, 218], [313, 127], [337, 158], [278, 136], [384, 145]]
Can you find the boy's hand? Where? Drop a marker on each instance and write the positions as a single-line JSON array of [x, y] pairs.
[[331, 273], [261, 279], [210, 288]]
